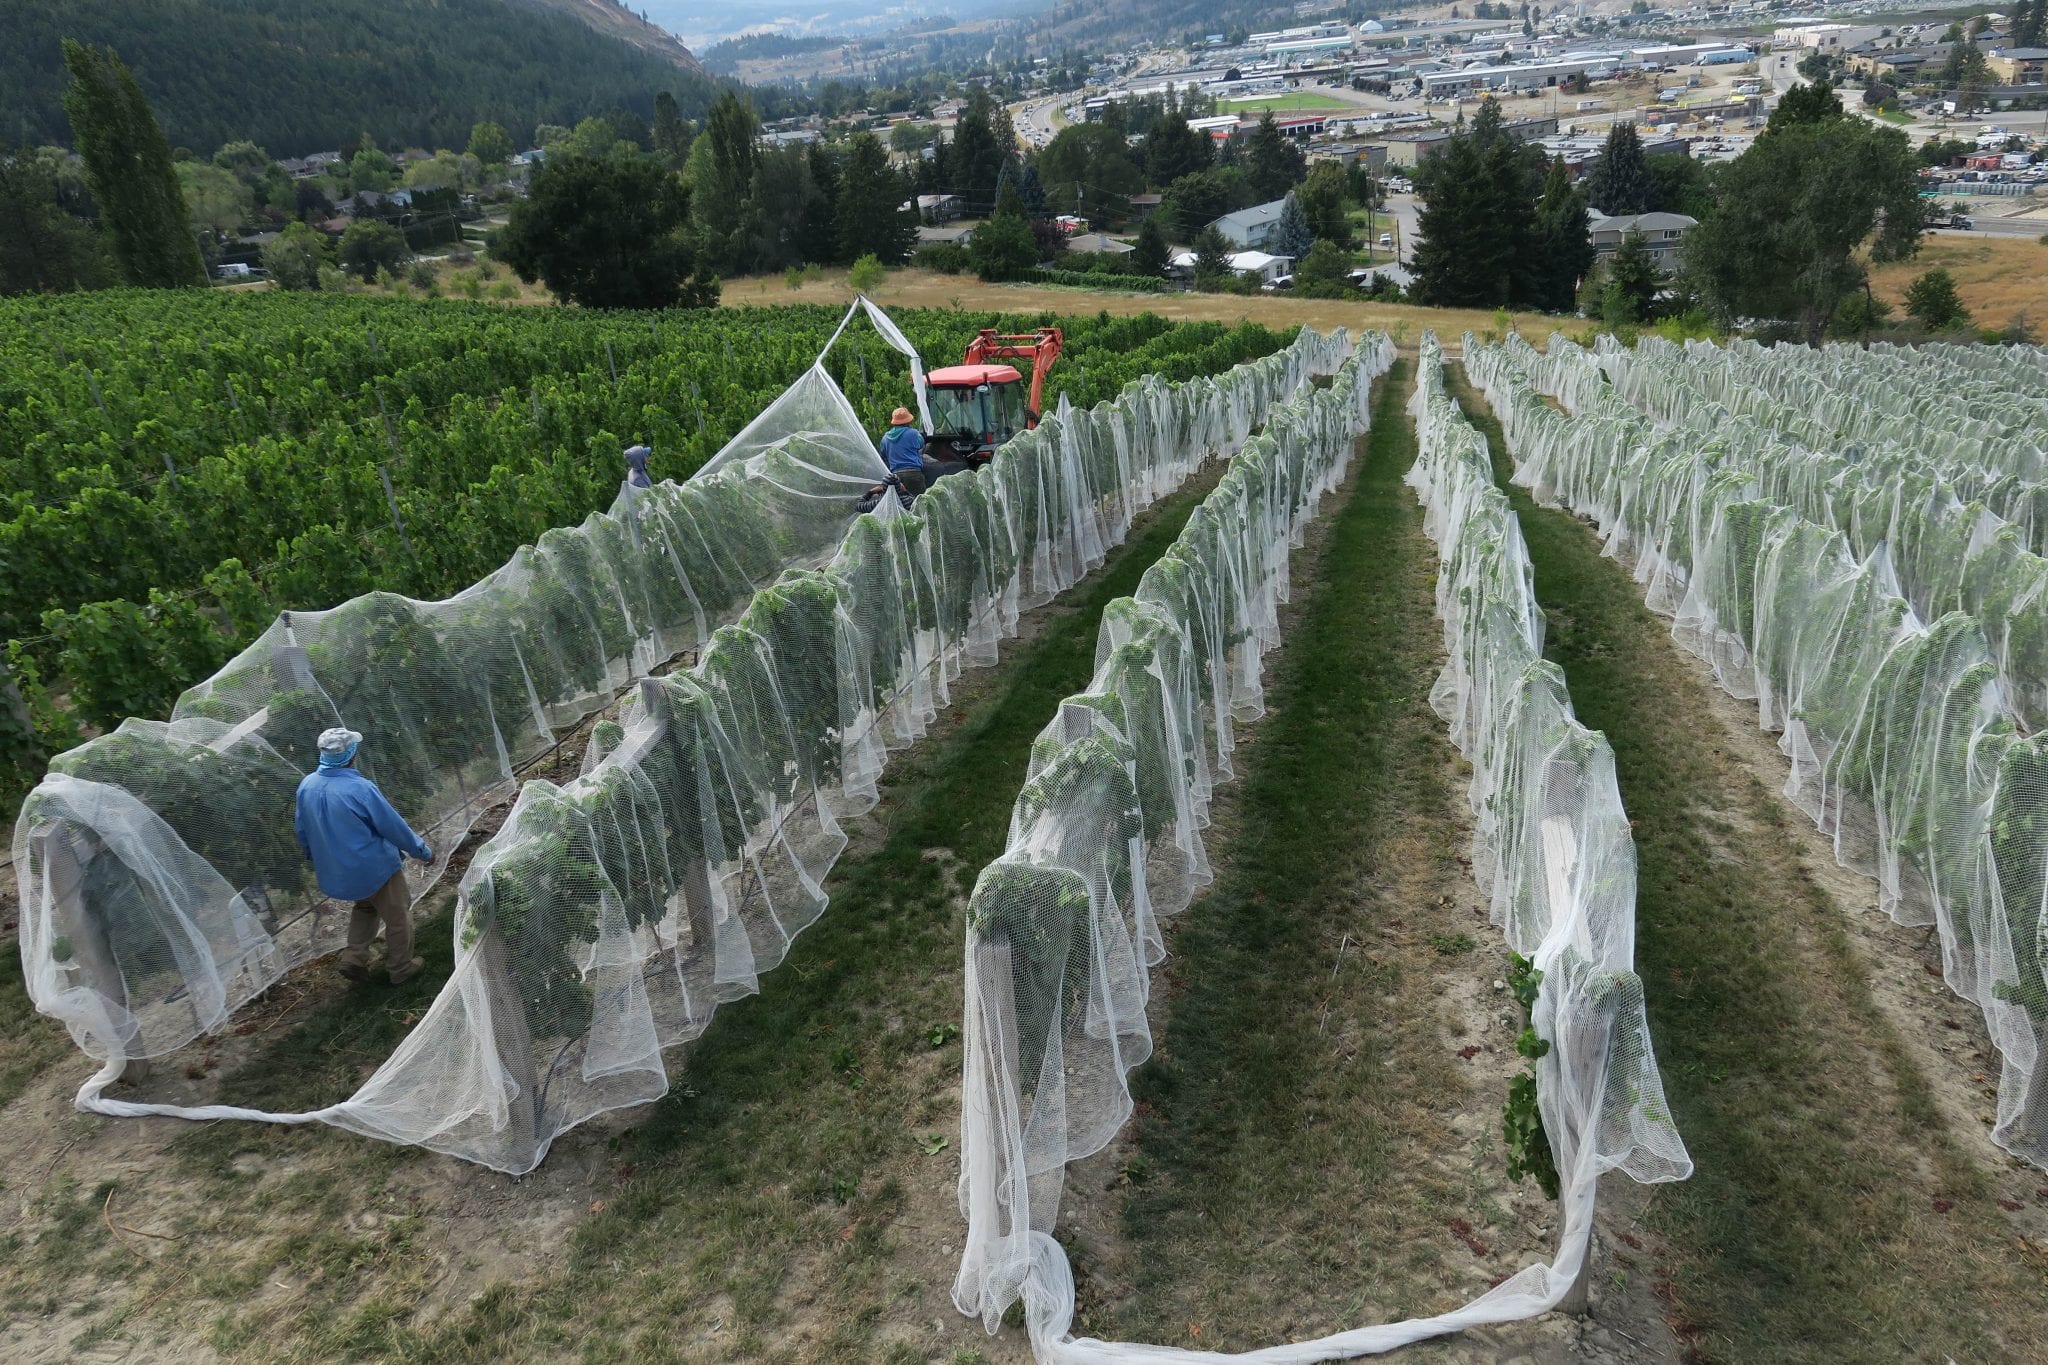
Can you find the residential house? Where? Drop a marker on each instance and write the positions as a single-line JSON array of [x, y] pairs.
[[938, 209], [1662, 233], [1266, 266], [1250, 228], [1143, 206], [932, 236]]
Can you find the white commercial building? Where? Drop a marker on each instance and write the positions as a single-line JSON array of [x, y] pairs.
[[1521, 75]]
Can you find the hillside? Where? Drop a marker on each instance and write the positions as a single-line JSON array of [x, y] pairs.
[[298, 78]]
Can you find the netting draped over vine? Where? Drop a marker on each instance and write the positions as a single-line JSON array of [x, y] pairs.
[[1106, 840], [1905, 719], [611, 914]]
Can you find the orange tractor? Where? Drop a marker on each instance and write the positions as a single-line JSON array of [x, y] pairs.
[[979, 404]]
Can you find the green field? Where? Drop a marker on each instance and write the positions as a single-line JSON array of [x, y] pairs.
[[1307, 100]]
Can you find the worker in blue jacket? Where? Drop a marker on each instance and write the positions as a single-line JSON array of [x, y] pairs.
[[903, 451], [357, 844]]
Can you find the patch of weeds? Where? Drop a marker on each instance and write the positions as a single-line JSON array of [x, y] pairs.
[[1452, 945], [938, 1035]]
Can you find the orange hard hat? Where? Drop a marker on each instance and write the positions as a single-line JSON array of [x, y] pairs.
[[901, 418]]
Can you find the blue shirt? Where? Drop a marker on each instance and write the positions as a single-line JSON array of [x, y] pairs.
[[903, 448], [351, 833]]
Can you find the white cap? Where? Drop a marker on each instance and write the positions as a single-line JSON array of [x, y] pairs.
[[338, 746]]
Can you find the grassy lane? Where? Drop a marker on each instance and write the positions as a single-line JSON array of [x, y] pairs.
[[1832, 1216], [759, 1211], [1286, 1145]]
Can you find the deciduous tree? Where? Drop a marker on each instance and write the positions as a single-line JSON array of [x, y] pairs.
[[490, 144], [293, 258], [607, 232], [1779, 247], [128, 163], [370, 246], [1326, 204]]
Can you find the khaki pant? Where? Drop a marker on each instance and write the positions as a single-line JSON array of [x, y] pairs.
[[391, 905]]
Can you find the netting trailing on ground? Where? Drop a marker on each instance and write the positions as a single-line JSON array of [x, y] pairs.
[[1106, 841], [1907, 731], [610, 915]]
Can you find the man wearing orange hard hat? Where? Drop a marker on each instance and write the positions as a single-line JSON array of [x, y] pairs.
[[903, 451]]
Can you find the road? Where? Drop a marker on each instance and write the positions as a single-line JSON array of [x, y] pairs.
[[1987, 226]]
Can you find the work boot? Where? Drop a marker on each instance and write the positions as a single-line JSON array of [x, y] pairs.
[[401, 975], [355, 972]]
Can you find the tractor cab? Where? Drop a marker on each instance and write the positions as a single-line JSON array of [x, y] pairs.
[[975, 408]]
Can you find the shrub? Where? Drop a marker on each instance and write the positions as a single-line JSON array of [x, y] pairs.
[[948, 258], [867, 273]]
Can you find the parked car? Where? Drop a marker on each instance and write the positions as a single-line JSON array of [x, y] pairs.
[[1386, 239]]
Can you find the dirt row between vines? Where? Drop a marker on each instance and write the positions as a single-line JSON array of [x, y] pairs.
[[1848, 1204]]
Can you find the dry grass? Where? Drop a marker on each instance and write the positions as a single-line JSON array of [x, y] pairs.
[[1998, 277], [927, 289]]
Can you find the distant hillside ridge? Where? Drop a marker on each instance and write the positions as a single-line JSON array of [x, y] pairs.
[[298, 77]]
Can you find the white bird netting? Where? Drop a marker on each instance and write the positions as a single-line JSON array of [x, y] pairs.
[[162, 883], [1106, 840], [1891, 632]]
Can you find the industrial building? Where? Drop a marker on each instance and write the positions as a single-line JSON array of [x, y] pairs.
[[1522, 75]]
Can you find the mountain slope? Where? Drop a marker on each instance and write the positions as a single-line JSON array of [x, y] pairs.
[[298, 76]]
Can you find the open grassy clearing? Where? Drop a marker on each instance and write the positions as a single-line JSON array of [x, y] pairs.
[[790, 1200], [1307, 100], [1999, 278], [1838, 1211]]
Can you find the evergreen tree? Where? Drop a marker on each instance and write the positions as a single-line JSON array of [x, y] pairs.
[[1273, 164], [1619, 182], [980, 150], [128, 164], [1291, 236], [1150, 252], [1172, 150], [1212, 258], [820, 232], [2029, 23], [1562, 250], [1031, 190], [872, 219], [1932, 300], [1477, 226], [1632, 281]]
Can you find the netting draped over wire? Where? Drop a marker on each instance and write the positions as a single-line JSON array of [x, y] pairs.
[[1897, 658], [1106, 841], [611, 914]]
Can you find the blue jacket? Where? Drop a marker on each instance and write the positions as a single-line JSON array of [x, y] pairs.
[[351, 833], [903, 448]]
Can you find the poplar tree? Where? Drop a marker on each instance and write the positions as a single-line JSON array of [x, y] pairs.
[[128, 165]]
